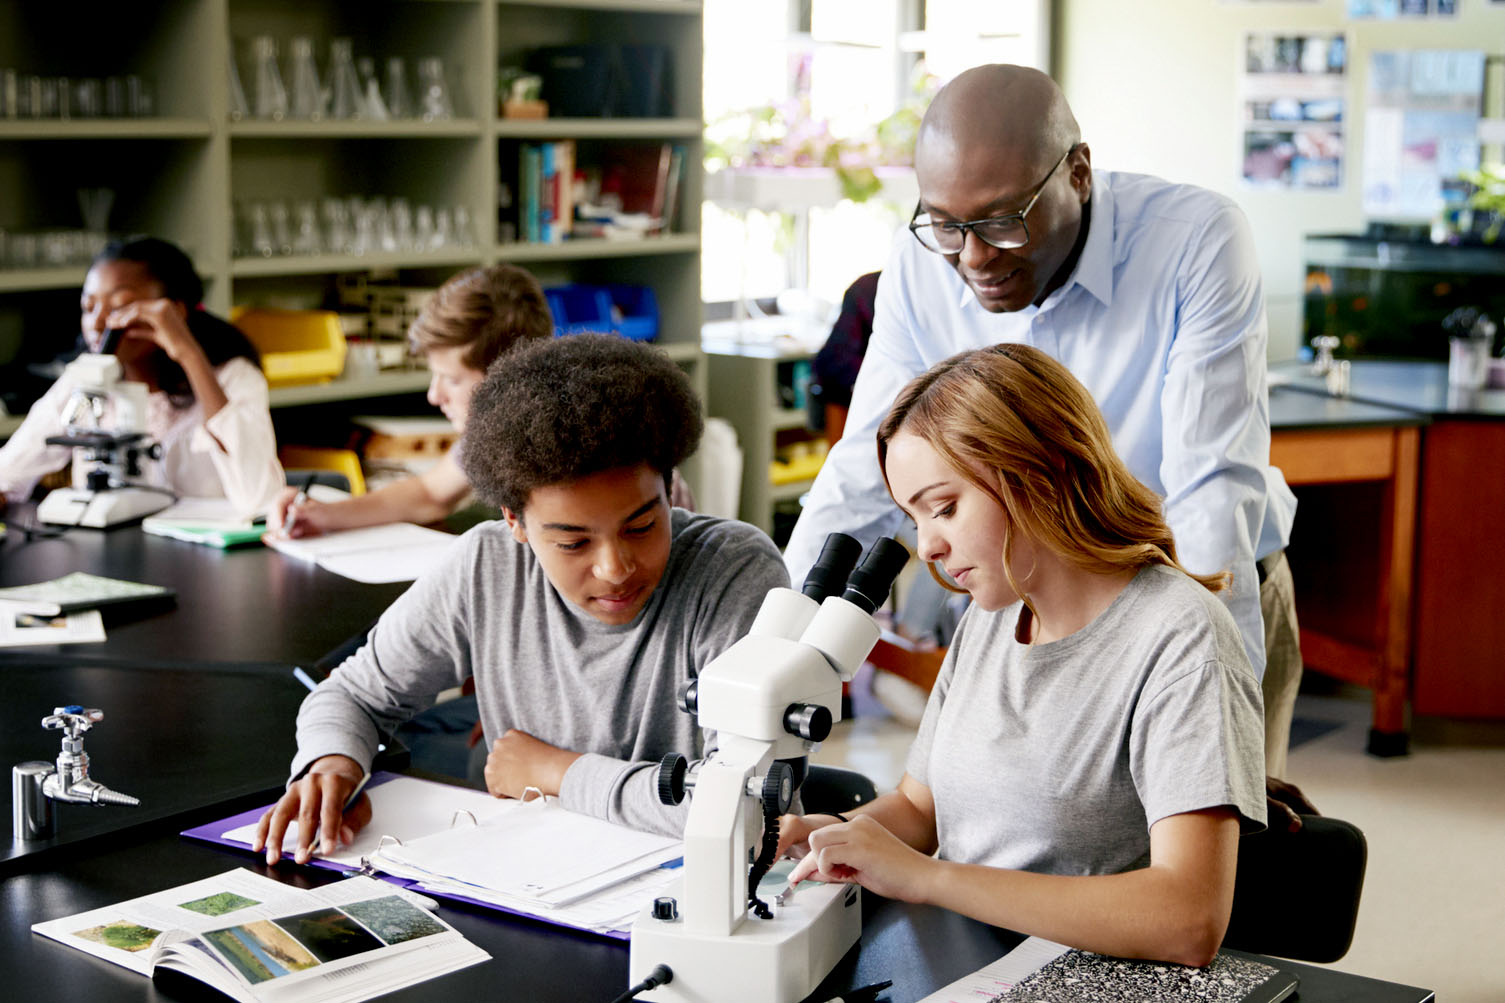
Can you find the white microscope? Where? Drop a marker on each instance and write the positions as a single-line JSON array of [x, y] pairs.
[[771, 698], [107, 495]]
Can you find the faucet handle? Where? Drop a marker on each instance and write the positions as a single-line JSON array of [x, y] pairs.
[[73, 719]]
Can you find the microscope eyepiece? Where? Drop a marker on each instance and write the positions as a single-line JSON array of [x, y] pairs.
[[868, 587], [829, 575]]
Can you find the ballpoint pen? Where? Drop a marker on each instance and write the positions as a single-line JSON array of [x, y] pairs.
[[290, 516], [866, 994]]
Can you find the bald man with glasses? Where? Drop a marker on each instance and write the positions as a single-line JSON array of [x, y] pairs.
[[1148, 291]]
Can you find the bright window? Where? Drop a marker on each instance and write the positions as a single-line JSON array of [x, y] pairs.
[[827, 72]]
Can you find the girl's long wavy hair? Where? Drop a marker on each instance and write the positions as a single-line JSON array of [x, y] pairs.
[[1016, 424]]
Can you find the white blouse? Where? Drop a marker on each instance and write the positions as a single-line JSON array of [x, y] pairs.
[[241, 466]]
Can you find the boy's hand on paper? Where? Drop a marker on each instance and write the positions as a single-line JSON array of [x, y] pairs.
[[316, 801], [518, 761], [863, 851]]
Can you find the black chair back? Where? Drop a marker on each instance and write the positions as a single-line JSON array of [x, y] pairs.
[[1297, 893]]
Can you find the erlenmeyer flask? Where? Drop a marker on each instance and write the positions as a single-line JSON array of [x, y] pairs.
[[376, 108], [239, 109], [399, 105], [434, 103], [344, 82], [308, 97], [271, 96]]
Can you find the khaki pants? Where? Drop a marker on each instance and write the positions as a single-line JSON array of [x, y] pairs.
[[1277, 602]]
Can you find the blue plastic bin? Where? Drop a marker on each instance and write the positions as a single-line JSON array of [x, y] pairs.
[[627, 310]]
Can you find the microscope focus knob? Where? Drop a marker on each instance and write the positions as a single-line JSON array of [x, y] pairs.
[[671, 778], [809, 721], [778, 789], [689, 697]]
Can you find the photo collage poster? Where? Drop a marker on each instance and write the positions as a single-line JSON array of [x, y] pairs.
[[1421, 130], [1390, 10], [1294, 103]]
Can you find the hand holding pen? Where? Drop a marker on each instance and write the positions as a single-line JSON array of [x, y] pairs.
[[292, 509], [290, 513]]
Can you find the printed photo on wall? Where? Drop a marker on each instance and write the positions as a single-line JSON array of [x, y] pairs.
[[1294, 103], [1389, 10]]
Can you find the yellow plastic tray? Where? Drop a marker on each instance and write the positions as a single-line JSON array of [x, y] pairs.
[[297, 346], [339, 461]]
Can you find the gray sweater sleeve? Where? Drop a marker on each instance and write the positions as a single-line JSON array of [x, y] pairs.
[[418, 649]]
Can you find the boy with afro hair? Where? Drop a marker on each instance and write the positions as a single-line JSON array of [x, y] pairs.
[[580, 615]]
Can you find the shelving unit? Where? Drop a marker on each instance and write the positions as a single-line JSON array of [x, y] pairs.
[[743, 382], [180, 175]]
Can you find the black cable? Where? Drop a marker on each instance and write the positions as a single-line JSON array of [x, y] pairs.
[[761, 866], [660, 976]]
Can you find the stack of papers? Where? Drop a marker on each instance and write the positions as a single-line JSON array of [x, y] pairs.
[[534, 858], [398, 552]]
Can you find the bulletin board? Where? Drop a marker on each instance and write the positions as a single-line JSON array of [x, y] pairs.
[[1293, 98], [1421, 129]]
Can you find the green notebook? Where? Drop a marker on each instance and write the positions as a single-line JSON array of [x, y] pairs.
[[223, 537]]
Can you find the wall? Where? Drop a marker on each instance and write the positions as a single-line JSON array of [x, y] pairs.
[[1155, 86]]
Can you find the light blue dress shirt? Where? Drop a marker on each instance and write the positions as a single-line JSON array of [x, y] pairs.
[[1163, 320]]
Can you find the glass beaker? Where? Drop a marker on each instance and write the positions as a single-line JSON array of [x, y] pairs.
[[434, 104], [399, 105]]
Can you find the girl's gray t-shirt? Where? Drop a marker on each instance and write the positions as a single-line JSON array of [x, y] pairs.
[[1057, 758]]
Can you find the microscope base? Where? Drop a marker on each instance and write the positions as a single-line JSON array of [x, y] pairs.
[[99, 509], [778, 960]]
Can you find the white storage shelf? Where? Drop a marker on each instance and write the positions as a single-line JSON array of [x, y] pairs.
[[181, 174], [743, 382]]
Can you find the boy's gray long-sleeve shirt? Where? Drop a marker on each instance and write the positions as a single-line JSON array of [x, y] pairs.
[[548, 668]]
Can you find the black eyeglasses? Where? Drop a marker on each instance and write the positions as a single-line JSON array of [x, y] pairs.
[[1002, 232]]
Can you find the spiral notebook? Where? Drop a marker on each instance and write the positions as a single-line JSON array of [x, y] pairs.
[[532, 858], [1041, 971]]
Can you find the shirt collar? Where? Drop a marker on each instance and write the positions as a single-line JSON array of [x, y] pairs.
[[1094, 268]]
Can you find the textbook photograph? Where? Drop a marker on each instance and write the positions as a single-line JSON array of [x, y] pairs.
[[256, 939]]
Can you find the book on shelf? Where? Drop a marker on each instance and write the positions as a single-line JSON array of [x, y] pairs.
[[80, 591], [396, 552], [547, 208], [256, 939], [534, 858]]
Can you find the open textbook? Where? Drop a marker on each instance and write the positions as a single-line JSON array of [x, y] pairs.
[[534, 858], [256, 939], [397, 552]]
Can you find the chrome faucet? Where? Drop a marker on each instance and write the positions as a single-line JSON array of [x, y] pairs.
[[35, 785]]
